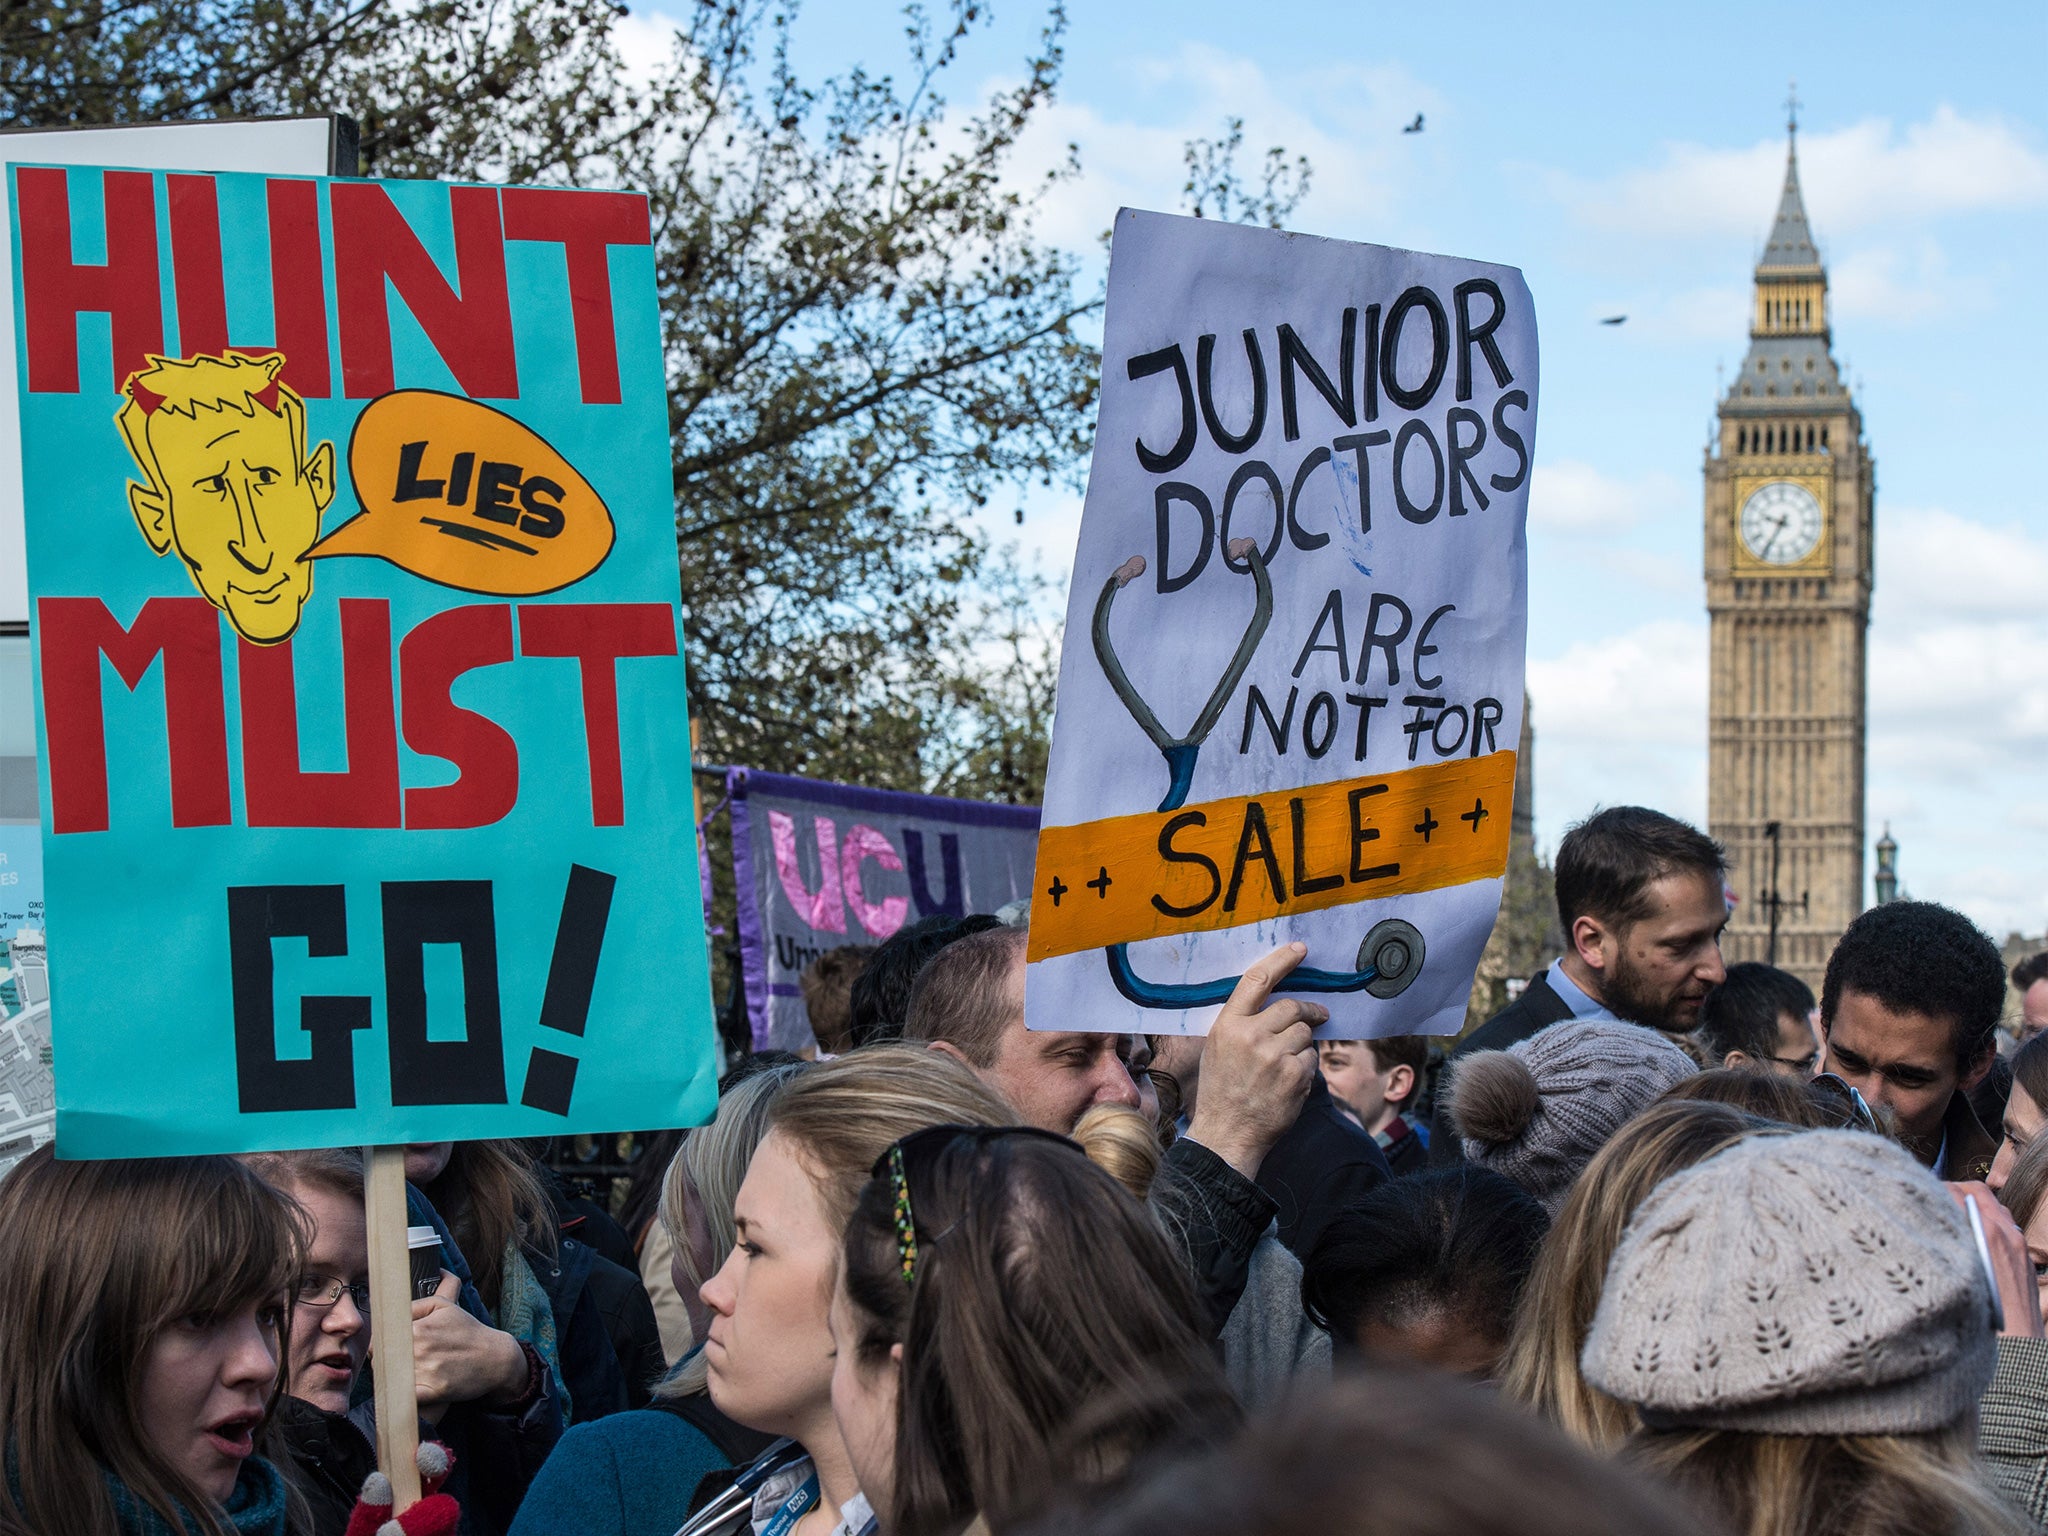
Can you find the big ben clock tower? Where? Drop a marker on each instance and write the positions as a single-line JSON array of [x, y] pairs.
[[1790, 489]]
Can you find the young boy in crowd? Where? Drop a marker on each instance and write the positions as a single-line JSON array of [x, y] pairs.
[[1760, 1019], [1378, 1080]]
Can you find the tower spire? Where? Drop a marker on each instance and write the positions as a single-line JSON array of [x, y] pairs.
[[1790, 247]]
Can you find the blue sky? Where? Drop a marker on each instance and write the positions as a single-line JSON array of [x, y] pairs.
[[1627, 158]]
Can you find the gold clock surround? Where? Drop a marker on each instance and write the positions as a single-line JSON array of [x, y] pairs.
[[1819, 484]]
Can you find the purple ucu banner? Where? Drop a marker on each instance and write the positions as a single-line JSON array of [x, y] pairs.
[[819, 865]]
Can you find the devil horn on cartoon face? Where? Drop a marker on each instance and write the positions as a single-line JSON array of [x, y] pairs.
[[144, 396]]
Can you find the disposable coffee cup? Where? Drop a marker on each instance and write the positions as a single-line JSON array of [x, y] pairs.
[[423, 1249]]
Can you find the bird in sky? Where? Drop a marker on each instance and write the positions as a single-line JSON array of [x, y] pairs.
[[1614, 320], [1416, 126]]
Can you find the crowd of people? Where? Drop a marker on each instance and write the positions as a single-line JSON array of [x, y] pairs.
[[1667, 1246]]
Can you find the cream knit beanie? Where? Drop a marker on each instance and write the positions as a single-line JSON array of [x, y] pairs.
[[1538, 1111], [1813, 1284]]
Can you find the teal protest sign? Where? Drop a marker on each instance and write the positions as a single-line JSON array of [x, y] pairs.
[[365, 758]]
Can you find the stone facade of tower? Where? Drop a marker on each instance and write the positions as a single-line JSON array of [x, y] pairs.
[[1790, 494]]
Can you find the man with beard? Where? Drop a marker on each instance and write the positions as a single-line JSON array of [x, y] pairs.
[[1909, 1018], [1640, 899]]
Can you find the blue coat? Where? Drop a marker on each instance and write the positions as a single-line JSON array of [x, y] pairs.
[[628, 1474]]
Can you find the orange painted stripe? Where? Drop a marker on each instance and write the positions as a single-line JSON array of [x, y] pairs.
[[1257, 857]]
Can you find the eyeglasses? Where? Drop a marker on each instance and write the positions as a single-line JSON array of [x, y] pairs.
[[1803, 1065], [1843, 1093], [320, 1292], [920, 1148]]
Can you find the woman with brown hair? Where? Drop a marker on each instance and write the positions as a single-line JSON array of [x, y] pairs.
[[1804, 1327], [1541, 1367], [1012, 1323], [588, 1318], [143, 1306]]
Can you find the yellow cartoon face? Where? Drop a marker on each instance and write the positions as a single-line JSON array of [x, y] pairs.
[[231, 487]]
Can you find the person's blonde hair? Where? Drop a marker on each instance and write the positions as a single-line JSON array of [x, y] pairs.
[[185, 386], [1122, 1143], [101, 1258], [1541, 1367], [712, 1161], [1829, 1485], [842, 1115]]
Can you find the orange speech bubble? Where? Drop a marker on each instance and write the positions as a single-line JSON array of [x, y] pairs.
[[466, 496]]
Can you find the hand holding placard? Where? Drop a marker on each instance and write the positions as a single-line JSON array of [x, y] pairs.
[[1257, 1066]]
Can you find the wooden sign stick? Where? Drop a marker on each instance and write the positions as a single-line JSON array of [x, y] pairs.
[[398, 1414]]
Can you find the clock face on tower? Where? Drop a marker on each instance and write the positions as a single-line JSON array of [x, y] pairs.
[[1781, 523]]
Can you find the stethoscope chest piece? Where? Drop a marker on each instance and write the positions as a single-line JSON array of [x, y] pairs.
[[1392, 952]]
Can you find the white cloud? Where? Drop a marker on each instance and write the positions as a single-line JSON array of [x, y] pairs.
[[1344, 118], [1890, 284], [646, 43], [1571, 498], [1867, 175], [1621, 719], [1935, 563]]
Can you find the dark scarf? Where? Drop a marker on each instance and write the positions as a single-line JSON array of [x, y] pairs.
[[255, 1508]]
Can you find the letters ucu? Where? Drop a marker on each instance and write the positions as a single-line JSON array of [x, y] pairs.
[[842, 865]]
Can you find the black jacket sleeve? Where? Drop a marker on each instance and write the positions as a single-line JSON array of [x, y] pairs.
[[1324, 1162], [629, 1324], [1218, 1215]]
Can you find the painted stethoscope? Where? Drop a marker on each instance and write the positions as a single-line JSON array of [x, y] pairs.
[[1389, 958]]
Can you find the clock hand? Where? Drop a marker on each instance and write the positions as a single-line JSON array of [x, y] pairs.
[[1777, 528]]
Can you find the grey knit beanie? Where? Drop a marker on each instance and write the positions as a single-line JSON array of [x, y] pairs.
[[1814, 1284], [1538, 1111]]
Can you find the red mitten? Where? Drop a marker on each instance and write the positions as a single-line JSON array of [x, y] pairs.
[[436, 1514], [373, 1506]]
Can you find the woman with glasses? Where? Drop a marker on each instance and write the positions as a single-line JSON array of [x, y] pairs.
[[329, 1455], [500, 1433], [1011, 1326]]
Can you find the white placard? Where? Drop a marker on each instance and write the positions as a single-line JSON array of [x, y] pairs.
[[284, 146], [1291, 690]]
